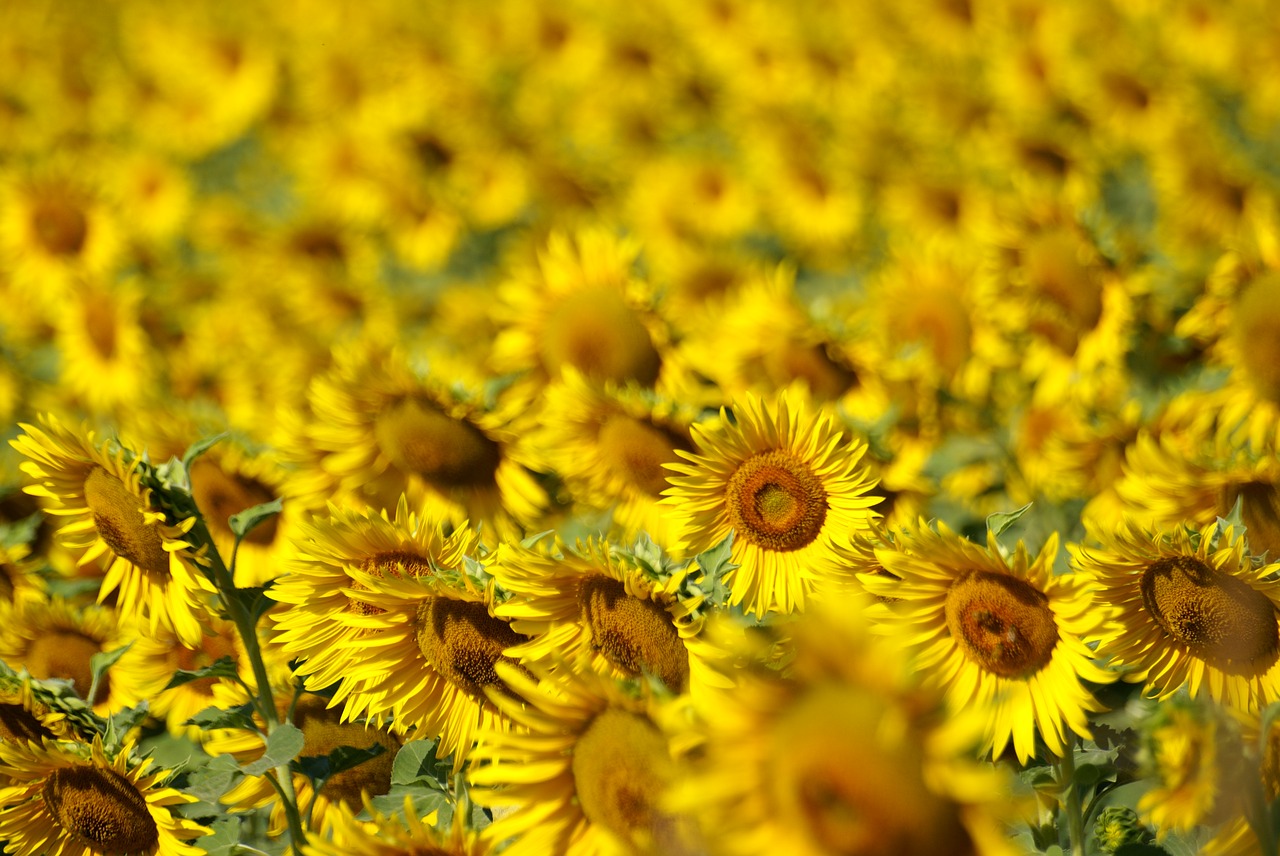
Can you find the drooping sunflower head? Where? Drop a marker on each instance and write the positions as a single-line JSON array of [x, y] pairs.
[[785, 480], [1193, 610], [72, 799], [109, 516]]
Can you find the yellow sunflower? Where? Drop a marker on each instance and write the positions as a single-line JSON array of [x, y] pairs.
[[316, 590], [24, 718], [109, 517], [586, 605], [323, 731], [610, 445], [394, 835], [1193, 609], [379, 430], [57, 639], [587, 778], [106, 359], [1190, 751], [785, 480], [836, 754], [65, 799], [1003, 634]]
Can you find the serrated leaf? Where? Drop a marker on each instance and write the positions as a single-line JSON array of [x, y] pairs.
[[199, 447], [225, 838], [124, 721], [715, 561], [244, 522], [416, 763], [211, 781], [999, 522], [321, 767], [214, 717], [283, 745], [223, 667]]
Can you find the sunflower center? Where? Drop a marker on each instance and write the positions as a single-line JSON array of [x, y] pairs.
[[219, 494], [637, 450], [17, 724], [323, 731], [60, 226], [635, 635], [1055, 270], [776, 502], [1256, 330], [101, 808], [117, 515], [100, 324], [1002, 623], [1259, 511], [620, 769], [463, 642], [396, 563], [826, 378], [419, 438], [836, 782], [1217, 617], [65, 654], [597, 333]]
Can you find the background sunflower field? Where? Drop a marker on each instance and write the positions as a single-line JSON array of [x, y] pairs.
[[682, 427]]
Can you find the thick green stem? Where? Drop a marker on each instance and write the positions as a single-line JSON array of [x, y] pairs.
[[1071, 799], [1258, 815]]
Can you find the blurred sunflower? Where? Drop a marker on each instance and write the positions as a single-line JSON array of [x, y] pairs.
[[24, 718], [106, 358], [394, 835], [786, 481], [318, 586], [72, 800], [323, 731], [610, 444], [1192, 609], [109, 516], [57, 639], [838, 754], [587, 777], [17, 573], [1006, 635], [1252, 348], [587, 605]]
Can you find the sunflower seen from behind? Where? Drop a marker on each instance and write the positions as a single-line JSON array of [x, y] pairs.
[[1193, 609], [786, 481], [1002, 634], [109, 517], [67, 799]]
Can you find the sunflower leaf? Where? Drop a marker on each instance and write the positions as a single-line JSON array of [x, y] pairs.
[[99, 663], [211, 781], [225, 838], [223, 667], [199, 447], [215, 717], [416, 763], [283, 745], [999, 522], [319, 768], [20, 532], [424, 802], [124, 721], [242, 523]]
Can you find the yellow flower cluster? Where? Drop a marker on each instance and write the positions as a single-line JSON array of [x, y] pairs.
[[594, 428]]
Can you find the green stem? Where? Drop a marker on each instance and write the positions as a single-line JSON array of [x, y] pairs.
[[282, 780], [1071, 799], [1258, 814]]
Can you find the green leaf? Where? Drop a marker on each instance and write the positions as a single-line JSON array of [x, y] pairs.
[[210, 781], [320, 767], [244, 522], [999, 522], [100, 662], [124, 721], [715, 561], [1141, 850], [283, 745], [199, 447], [20, 532], [214, 717], [225, 838], [223, 667], [531, 540], [416, 763], [1088, 775], [255, 600], [424, 802]]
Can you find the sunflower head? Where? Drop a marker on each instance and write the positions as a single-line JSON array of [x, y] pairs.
[[1255, 334]]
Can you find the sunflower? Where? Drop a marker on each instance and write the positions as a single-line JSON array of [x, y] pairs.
[[785, 481], [109, 516], [323, 731], [24, 718], [72, 800], [57, 639], [1252, 348], [589, 775], [18, 578], [1006, 635], [610, 445], [316, 589], [1193, 609], [106, 358], [394, 835], [380, 430], [428, 653], [838, 754], [587, 605]]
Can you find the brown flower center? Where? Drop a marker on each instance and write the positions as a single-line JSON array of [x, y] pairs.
[[17, 723], [219, 494], [637, 450], [621, 767], [100, 324], [117, 515], [1002, 623], [597, 333], [323, 731], [101, 808], [463, 642], [420, 438], [60, 226], [395, 563], [1217, 617], [635, 635], [65, 654], [776, 502]]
